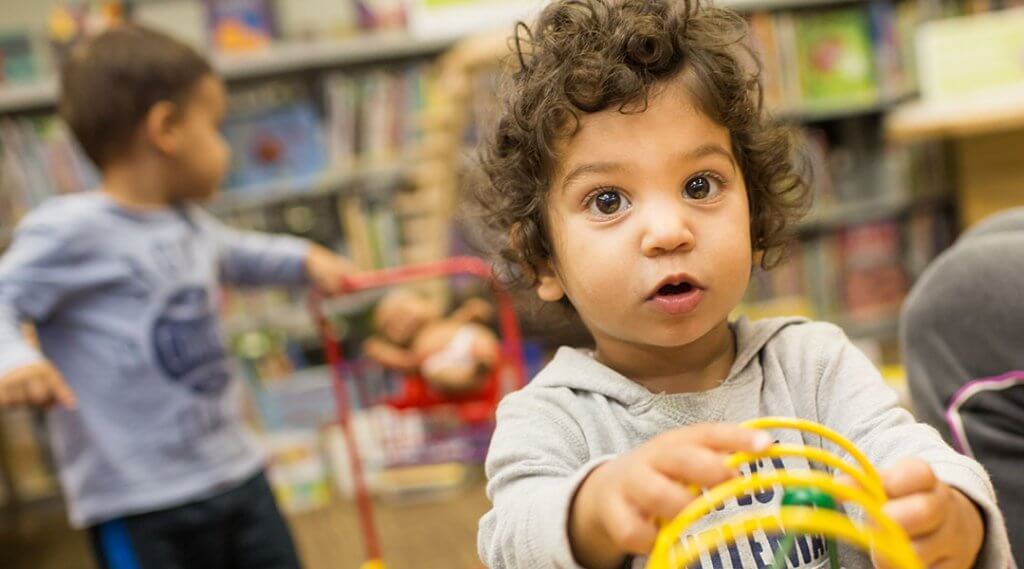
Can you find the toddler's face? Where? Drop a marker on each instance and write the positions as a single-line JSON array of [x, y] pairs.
[[204, 154], [649, 218]]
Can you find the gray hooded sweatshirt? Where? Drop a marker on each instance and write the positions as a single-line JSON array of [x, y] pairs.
[[578, 413]]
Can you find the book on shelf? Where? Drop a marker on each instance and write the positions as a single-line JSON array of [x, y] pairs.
[[372, 118], [858, 274], [972, 54], [275, 134], [306, 20], [764, 37], [241, 25], [874, 281], [832, 58], [372, 232], [835, 58], [381, 15], [38, 159], [18, 62]]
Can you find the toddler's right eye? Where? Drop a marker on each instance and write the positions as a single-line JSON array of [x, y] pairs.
[[608, 202]]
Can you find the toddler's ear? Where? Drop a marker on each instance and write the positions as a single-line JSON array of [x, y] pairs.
[[549, 287]]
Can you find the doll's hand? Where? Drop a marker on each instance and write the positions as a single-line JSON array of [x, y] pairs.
[[945, 526], [390, 356]]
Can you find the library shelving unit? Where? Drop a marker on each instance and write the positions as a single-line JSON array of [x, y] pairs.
[[307, 63], [986, 135]]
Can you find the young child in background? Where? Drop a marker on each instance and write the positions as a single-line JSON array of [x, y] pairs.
[[122, 285], [637, 180]]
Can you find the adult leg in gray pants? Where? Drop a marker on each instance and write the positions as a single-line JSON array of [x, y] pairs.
[[962, 335]]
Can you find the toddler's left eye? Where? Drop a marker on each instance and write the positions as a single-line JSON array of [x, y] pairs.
[[701, 187]]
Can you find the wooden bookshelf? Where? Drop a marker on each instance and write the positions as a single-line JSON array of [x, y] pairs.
[[885, 206], [981, 114], [282, 58], [359, 180], [292, 57], [811, 114], [767, 5], [986, 134], [39, 94]]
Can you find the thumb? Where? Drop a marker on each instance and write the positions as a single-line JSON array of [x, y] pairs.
[[61, 392], [910, 476]]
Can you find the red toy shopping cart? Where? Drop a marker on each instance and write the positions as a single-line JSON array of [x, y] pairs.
[[413, 392]]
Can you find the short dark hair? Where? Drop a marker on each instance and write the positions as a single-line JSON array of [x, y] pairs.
[[587, 56], [110, 83]]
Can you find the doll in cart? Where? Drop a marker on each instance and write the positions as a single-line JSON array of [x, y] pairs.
[[453, 353]]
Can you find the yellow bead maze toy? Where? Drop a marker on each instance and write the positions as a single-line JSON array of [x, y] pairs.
[[809, 506]]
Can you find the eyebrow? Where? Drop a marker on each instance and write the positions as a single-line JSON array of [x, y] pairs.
[[592, 168], [707, 149]]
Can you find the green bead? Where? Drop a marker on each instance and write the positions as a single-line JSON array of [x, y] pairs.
[[804, 496]]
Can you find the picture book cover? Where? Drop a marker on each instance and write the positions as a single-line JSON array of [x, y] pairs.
[[276, 143], [836, 58], [240, 25], [17, 59]]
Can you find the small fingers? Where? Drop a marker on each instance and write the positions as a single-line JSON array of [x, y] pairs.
[[628, 528], [919, 514], [691, 464], [656, 495]]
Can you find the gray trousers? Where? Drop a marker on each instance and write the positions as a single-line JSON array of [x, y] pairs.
[[962, 335]]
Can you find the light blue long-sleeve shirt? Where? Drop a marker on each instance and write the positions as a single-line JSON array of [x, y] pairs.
[[125, 305]]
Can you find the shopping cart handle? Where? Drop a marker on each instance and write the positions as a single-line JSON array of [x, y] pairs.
[[471, 266]]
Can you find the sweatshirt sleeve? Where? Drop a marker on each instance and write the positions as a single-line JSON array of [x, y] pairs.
[[252, 258], [853, 399], [45, 264], [535, 465]]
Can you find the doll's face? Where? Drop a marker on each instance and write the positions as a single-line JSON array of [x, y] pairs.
[[402, 315]]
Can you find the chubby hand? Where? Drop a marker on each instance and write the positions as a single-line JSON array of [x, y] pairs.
[[328, 270], [945, 526], [37, 384], [617, 508]]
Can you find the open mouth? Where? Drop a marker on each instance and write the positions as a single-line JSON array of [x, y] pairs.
[[674, 289], [677, 295]]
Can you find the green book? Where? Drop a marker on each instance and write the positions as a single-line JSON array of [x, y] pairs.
[[835, 59]]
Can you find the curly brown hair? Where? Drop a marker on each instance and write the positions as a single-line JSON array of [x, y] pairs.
[[586, 56]]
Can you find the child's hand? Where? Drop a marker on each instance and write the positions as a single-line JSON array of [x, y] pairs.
[[617, 507], [327, 270], [35, 384], [945, 526]]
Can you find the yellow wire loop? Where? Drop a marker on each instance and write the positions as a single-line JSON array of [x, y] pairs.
[[799, 520], [885, 536], [871, 486], [822, 431]]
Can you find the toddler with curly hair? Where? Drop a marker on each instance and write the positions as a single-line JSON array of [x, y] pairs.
[[634, 178]]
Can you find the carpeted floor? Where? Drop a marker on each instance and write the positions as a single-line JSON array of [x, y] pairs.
[[433, 535]]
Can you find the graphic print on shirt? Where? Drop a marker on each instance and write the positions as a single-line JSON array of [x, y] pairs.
[[187, 343], [756, 551]]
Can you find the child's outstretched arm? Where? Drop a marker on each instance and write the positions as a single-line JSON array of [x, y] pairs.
[[943, 500], [252, 258]]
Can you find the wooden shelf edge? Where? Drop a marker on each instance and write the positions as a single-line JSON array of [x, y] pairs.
[[980, 114]]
